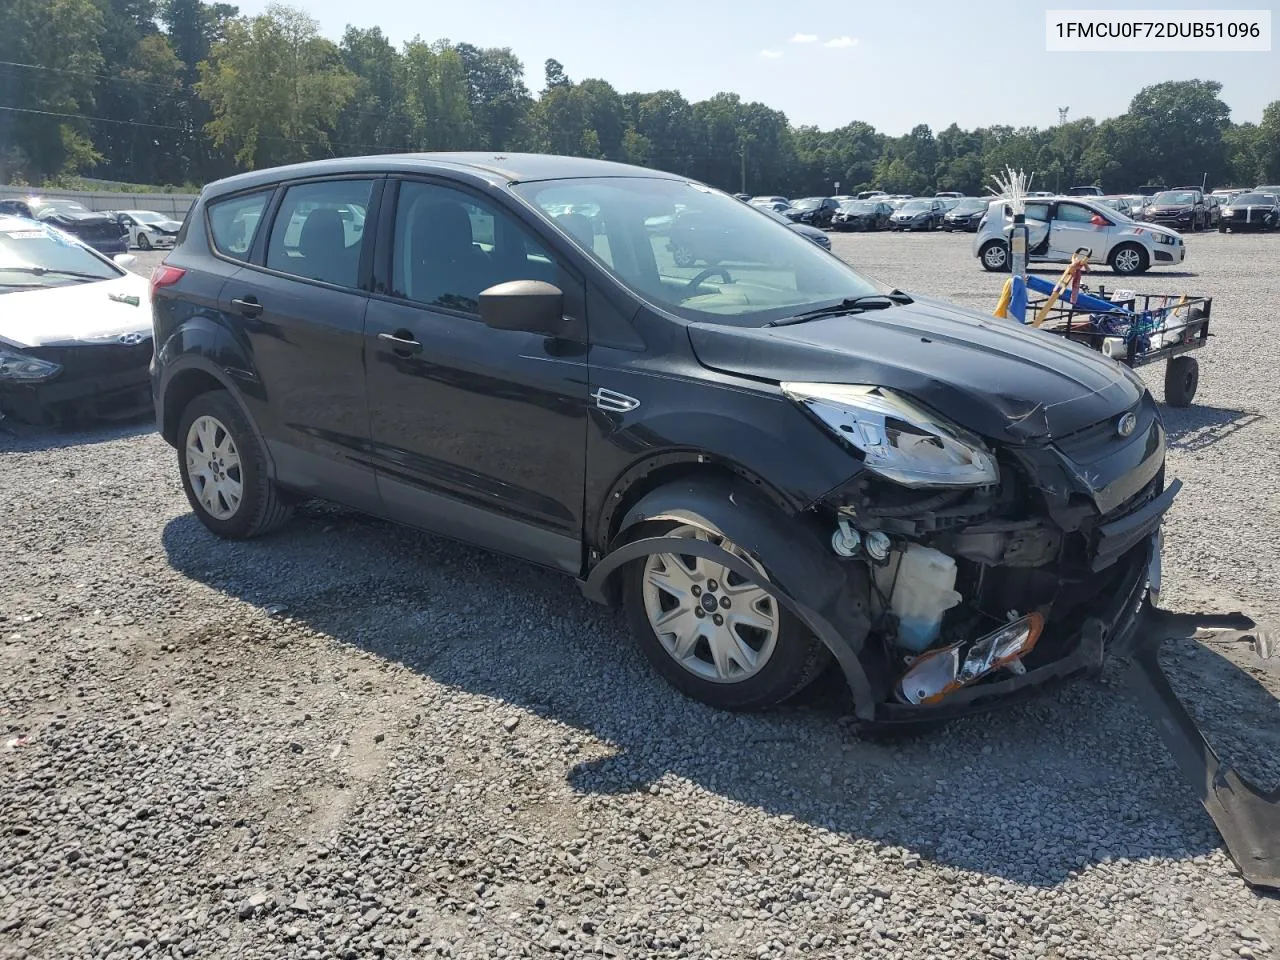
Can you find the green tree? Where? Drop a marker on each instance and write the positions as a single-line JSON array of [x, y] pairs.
[[376, 118], [500, 101], [275, 87], [1175, 130], [60, 39], [1269, 144]]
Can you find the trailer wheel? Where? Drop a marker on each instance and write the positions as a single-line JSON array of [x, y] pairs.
[[1181, 378], [994, 256]]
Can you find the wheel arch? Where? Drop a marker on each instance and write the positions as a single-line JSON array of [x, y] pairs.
[[189, 377], [830, 596]]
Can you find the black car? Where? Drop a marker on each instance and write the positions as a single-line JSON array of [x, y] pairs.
[[862, 215], [920, 213], [966, 215], [1251, 211], [815, 211], [1182, 209], [97, 230], [771, 463]]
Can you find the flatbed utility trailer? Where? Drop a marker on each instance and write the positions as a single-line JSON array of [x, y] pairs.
[[1131, 328]]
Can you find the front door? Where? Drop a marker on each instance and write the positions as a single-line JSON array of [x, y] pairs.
[[1072, 228], [478, 434]]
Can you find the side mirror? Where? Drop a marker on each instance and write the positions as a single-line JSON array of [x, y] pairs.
[[124, 259], [529, 305]]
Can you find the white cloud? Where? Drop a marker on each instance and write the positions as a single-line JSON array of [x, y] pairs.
[[770, 54], [804, 38], [841, 42]]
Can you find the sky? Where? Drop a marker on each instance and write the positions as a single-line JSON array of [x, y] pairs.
[[892, 64]]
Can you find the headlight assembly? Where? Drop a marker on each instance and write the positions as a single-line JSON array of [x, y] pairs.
[[898, 440], [17, 367]]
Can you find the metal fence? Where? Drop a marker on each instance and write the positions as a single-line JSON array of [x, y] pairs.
[[173, 205]]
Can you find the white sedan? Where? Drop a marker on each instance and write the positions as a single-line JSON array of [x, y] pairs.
[[148, 230], [75, 328], [1060, 226]]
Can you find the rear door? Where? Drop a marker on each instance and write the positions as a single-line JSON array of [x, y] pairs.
[[299, 311], [478, 434]]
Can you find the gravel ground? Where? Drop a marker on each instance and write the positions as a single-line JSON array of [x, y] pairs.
[[352, 740]]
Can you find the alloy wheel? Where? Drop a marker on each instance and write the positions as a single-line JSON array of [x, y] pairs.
[[996, 256], [213, 467], [717, 625], [1128, 260]]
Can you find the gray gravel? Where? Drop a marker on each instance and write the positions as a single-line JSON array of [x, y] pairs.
[[351, 740]]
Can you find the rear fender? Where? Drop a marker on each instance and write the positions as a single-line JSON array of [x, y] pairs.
[[830, 598]]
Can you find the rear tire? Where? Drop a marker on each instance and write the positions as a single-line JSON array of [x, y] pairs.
[[994, 255], [789, 657], [224, 470]]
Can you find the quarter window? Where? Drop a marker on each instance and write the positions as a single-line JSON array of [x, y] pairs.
[[449, 246], [319, 231], [234, 222]]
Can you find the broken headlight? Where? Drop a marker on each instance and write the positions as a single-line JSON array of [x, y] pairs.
[[17, 366], [898, 440]]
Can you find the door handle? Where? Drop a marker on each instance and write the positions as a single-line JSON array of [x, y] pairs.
[[248, 306], [401, 343]]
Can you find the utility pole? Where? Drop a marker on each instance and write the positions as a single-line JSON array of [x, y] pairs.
[[1062, 115], [744, 166]]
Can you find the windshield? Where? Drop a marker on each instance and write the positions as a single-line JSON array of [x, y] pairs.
[[1175, 196], [809, 203], [911, 206], [146, 216], [858, 206], [721, 261], [970, 205], [1245, 199], [28, 250]]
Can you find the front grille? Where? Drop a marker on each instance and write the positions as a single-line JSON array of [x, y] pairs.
[[85, 361]]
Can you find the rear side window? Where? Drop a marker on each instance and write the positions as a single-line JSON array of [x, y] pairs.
[[234, 222], [319, 231]]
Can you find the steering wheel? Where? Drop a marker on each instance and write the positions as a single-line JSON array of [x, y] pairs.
[[697, 281]]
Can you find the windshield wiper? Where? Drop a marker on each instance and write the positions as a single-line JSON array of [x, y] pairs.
[[41, 271], [868, 301]]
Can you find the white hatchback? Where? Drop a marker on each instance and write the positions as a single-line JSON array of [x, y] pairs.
[[1060, 226]]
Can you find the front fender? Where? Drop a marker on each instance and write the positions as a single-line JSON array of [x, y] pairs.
[[830, 598]]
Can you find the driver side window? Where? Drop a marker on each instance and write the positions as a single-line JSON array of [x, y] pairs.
[[450, 245]]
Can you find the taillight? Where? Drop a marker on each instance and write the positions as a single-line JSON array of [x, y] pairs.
[[165, 276]]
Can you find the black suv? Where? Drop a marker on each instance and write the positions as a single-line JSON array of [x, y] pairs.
[[770, 462]]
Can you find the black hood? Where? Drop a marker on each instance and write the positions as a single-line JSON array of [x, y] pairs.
[[997, 378]]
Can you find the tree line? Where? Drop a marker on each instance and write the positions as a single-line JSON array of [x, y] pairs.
[[168, 92]]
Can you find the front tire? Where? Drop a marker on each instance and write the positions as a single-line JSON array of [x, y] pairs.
[[144, 242], [994, 255], [1129, 259], [224, 470], [713, 636]]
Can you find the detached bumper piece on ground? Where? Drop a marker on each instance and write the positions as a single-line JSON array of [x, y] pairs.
[[1247, 817]]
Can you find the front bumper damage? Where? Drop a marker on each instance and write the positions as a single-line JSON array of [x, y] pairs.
[[831, 600], [109, 381]]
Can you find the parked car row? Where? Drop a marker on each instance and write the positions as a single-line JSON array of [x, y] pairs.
[[107, 231]]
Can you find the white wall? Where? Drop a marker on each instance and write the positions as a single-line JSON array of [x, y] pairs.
[[170, 204]]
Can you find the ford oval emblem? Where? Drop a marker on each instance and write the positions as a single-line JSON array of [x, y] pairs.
[[1127, 423]]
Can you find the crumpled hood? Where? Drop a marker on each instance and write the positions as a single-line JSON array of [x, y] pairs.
[[76, 312], [994, 377]]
